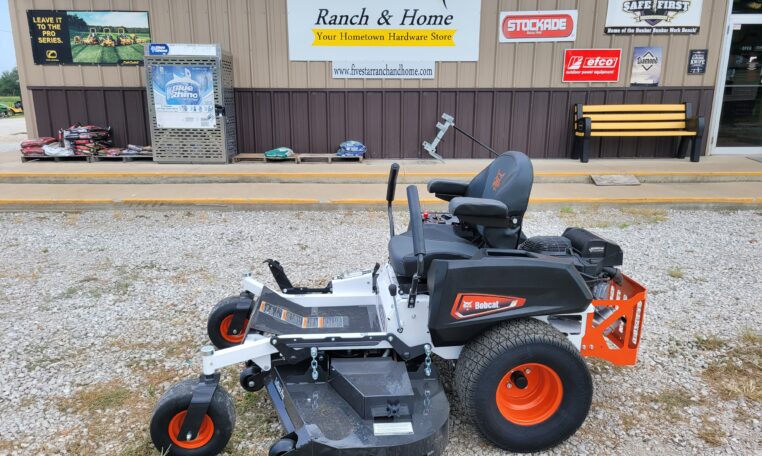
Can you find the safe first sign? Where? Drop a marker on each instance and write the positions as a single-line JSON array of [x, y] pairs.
[[523, 26], [592, 65]]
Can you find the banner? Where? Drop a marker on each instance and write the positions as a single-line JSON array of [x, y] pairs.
[[591, 65], [88, 37], [521, 26], [628, 17], [646, 66], [397, 30], [184, 96]]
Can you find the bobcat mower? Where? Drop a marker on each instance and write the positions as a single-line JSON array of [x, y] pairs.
[[349, 366]]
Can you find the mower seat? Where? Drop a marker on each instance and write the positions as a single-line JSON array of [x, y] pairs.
[[441, 244], [500, 192]]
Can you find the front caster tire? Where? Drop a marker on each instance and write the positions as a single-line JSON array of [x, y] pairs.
[[524, 385], [169, 413], [220, 318]]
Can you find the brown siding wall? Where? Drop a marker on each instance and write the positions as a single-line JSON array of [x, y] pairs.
[[124, 110], [393, 123]]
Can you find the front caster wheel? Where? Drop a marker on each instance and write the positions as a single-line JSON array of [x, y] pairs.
[[220, 319], [252, 379], [168, 416], [524, 385]]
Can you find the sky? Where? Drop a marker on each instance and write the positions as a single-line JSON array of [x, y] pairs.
[[7, 51]]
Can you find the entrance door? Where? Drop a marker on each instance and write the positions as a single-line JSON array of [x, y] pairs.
[[739, 129]]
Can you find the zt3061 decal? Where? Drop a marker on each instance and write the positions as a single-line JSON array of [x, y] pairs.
[[470, 305]]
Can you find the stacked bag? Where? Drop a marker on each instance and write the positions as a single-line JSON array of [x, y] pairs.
[[35, 146], [85, 139]]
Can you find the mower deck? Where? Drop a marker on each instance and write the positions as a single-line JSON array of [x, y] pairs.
[[321, 420]]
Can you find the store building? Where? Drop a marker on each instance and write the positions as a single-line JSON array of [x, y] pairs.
[[307, 74]]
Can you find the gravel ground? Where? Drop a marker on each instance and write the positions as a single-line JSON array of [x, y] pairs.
[[103, 311]]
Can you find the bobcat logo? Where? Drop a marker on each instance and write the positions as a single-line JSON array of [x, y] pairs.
[[498, 180]]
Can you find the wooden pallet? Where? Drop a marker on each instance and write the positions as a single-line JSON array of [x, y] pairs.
[[27, 158], [261, 157], [124, 158], [329, 157]]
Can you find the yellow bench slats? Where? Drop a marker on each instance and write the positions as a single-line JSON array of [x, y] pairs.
[[641, 133], [637, 117], [633, 108], [637, 126]]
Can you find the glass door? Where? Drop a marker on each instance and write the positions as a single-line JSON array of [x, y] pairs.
[[739, 127]]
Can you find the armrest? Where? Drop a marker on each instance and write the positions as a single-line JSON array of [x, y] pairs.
[[447, 189], [464, 208]]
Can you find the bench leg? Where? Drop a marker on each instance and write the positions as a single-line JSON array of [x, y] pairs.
[[585, 155], [682, 147], [695, 152]]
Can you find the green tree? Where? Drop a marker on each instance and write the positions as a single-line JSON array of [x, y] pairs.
[[9, 83]]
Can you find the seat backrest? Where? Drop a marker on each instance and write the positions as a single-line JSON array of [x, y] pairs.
[[508, 179]]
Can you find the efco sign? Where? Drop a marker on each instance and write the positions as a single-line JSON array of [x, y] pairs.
[[592, 65], [521, 26]]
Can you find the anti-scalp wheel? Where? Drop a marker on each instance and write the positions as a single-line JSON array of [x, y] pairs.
[[168, 416], [220, 319], [524, 385]]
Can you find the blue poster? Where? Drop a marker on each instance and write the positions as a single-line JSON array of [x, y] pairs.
[[184, 96]]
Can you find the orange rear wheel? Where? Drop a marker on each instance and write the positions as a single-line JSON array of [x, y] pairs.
[[529, 394], [205, 433]]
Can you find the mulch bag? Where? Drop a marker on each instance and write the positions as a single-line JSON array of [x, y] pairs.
[[52, 150], [32, 150], [86, 139], [279, 153], [38, 142], [351, 149]]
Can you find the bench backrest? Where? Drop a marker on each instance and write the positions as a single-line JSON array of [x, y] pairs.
[[634, 116]]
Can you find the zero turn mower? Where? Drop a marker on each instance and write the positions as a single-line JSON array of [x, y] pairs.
[[349, 366]]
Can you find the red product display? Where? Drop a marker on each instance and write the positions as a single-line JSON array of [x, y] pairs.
[[592, 65]]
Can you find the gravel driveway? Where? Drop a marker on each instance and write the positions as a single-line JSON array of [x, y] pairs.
[[103, 311]]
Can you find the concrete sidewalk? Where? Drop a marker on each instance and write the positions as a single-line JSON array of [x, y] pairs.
[[328, 196]]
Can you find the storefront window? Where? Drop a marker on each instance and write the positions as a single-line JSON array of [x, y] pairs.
[[747, 6], [741, 116]]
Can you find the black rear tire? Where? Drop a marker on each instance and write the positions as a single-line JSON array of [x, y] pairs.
[[221, 313], [487, 361], [220, 417]]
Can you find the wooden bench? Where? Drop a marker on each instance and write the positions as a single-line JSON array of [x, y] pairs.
[[628, 120]]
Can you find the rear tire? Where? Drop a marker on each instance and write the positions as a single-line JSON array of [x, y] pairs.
[[219, 321], [169, 413], [550, 386]]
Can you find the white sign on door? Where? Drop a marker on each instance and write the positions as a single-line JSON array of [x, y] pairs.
[[628, 17], [400, 30]]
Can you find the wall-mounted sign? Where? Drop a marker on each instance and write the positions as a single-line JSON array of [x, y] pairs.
[[697, 61], [383, 70], [592, 65], [203, 50], [646, 66], [397, 30], [88, 37], [628, 17], [184, 96], [518, 26]]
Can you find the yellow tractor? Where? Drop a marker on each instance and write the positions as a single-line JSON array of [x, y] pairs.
[[17, 108], [108, 41]]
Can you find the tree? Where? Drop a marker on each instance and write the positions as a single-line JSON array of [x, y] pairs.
[[9, 83]]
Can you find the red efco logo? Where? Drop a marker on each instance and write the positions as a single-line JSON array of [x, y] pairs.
[[537, 26], [470, 305], [592, 65]]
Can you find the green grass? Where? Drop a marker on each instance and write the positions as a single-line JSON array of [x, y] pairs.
[[132, 52], [9, 100], [98, 54]]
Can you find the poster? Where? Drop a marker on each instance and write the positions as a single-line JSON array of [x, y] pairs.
[[183, 96], [591, 65], [396, 30], [88, 37], [697, 61], [645, 17], [646, 66], [537, 26]]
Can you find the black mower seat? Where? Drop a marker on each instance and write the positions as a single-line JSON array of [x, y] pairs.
[[501, 190], [441, 244]]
